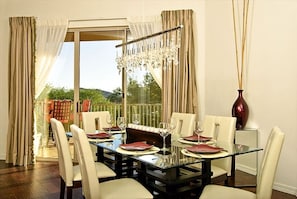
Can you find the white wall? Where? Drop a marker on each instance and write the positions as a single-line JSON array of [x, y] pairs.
[[270, 89], [273, 44]]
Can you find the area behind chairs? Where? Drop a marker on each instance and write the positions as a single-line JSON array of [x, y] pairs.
[[265, 178], [124, 188], [70, 173]]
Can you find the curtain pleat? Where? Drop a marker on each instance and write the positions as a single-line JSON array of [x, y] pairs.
[[21, 91], [179, 93]]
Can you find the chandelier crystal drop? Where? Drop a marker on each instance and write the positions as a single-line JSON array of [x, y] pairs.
[[156, 51]]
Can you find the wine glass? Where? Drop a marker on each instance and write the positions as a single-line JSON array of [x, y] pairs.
[[164, 131], [109, 122], [172, 124], [136, 119], [198, 130], [121, 123]]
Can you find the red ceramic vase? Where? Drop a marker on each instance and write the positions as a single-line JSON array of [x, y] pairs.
[[240, 110]]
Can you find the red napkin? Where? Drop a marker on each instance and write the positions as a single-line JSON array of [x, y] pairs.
[[114, 128], [136, 146], [101, 135], [195, 138], [204, 148]]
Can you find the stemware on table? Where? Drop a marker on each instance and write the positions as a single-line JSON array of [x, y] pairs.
[[109, 122], [164, 131], [121, 121], [198, 131]]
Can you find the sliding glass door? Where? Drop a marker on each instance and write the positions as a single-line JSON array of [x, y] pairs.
[[86, 74]]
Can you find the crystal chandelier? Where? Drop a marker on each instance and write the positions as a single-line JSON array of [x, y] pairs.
[[156, 50]]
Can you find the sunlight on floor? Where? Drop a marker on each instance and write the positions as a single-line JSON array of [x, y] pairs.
[[50, 153]]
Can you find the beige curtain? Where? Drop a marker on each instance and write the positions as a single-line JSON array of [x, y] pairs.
[[21, 91], [179, 93]]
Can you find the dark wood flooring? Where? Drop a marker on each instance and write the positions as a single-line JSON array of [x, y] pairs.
[[42, 181]]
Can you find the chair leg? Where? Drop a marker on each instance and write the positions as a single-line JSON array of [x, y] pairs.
[[226, 182], [69, 192], [62, 188]]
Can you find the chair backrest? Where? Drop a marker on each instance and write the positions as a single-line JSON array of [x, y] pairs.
[[184, 125], [86, 105], [223, 130], [62, 109], [269, 163], [64, 155], [88, 120], [49, 108], [90, 183]]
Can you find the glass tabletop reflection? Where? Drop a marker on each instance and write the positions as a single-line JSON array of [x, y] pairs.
[[173, 157]]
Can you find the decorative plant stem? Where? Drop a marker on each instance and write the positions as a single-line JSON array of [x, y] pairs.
[[240, 64]]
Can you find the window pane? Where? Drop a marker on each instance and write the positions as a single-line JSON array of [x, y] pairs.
[[97, 66], [100, 80], [143, 97]]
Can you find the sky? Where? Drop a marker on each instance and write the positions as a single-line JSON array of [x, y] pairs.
[[98, 66]]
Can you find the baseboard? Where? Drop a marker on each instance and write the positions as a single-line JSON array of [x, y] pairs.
[[46, 159], [246, 169], [285, 188]]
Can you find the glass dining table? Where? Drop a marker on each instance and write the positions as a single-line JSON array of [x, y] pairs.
[[165, 172]]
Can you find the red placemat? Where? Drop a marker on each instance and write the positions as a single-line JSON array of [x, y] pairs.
[[101, 135], [136, 146], [204, 148], [194, 138], [114, 128]]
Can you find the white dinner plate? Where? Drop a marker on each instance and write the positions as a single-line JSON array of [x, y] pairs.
[[196, 155], [181, 140], [101, 140], [152, 150]]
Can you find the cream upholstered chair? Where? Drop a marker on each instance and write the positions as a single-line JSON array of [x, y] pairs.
[[70, 173], [265, 178], [88, 120], [92, 188], [222, 129], [89, 126], [184, 125]]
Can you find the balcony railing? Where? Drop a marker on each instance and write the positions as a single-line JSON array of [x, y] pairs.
[[150, 114]]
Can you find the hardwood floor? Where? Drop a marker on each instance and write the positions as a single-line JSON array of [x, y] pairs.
[[42, 181]]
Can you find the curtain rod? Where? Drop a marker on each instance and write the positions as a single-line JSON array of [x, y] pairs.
[[75, 20], [150, 36]]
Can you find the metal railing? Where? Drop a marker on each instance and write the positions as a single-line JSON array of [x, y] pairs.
[[150, 114]]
